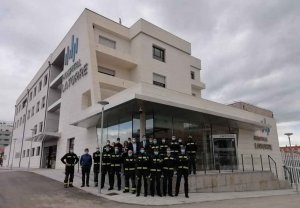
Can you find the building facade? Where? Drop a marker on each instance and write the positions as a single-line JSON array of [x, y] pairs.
[[153, 86], [6, 129]]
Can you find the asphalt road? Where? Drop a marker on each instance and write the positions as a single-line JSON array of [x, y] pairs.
[[29, 190]]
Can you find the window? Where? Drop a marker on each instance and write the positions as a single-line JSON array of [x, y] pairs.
[[24, 152], [35, 129], [32, 111], [30, 96], [21, 120], [24, 118], [28, 115], [38, 149], [192, 75], [159, 80], [34, 92], [40, 86], [38, 106], [106, 71], [32, 151], [70, 144], [159, 53], [27, 153], [107, 42], [193, 94], [45, 80], [40, 126], [43, 102]]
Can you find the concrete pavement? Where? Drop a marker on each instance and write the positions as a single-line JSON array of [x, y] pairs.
[[25, 189]]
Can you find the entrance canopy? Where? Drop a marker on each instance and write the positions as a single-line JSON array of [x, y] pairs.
[[150, 96], [43, 136]]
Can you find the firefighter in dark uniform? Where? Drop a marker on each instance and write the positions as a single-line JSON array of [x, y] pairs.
[[105, 169], [182, 170], [191, 150], [111, 149], [169, 164], [174, 146], [70, 160], [155, 172], [129, 171], [142, 171], [96, 159], [163, 147], [115, 169], [154, 146]]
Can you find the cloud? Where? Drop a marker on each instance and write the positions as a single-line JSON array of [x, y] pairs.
[[249, 49]]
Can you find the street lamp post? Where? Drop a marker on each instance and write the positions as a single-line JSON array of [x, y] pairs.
[[292, 156], [30, 151], [12, 162], [103, 103]]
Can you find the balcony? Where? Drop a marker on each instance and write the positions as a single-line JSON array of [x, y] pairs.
[[54, 106], [198, 85], [114, 58], [57, 81]]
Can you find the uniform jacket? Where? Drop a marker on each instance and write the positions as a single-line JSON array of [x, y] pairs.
[[156, 164], [183, 163], [191, 147], [96, 157], [142, 163], [129, 164], [169, 164], [70, 159]]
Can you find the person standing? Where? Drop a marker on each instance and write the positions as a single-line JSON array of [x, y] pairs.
[[115, 169], [70, 159], [163, 147], [182, 170], [191, 150], [142, 171], [169, 164], [86, 164], [144, 143], [129, 146], [135, 147], [96, 158], [155, 172], [109, 146], [105, 168], [174, 146], [154, 146], [129, 172], [119, 145]]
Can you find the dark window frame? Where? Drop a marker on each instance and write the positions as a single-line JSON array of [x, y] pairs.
[[159, 53]]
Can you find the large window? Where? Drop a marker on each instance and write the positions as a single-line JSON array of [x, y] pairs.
[[45, 80], [43, 102], [38, 149], [158, 53], [159, 80], [192, 75], [70, 144], [107, 42]]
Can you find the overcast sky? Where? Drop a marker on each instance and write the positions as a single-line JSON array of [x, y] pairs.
[[250, 50]]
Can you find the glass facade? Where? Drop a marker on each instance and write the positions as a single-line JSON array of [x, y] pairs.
[[162, 121]]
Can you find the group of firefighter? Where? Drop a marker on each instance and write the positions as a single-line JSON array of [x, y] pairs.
[[143, 160]]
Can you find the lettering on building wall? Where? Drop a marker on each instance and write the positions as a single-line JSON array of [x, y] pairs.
[[259, 138], [74, 74], [263, 146]]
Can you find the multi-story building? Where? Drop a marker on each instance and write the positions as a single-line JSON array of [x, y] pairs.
[[5, 134], [153, 86]]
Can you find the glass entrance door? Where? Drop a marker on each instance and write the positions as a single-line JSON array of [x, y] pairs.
[[224, 151]]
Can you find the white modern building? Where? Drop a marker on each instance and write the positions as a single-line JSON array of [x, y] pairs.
[[153, 86]]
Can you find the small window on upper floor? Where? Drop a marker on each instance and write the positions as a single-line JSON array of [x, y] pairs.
[[34, 92], [107, 42], [43, 102], [40, 86], [30, 96], [106, 71], [192, 75], [158, 53], [159, 80], [45, 79]]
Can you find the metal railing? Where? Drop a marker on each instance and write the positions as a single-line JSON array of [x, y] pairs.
[[239, 163]]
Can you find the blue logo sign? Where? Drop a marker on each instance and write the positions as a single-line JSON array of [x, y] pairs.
[[266, 129], [71, 51]]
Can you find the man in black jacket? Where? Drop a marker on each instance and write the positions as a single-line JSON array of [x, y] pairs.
[[70, 160], [155, 172], [96, 158], [142, 171], [105, 169], [115, 169], [182, 170], [129, 171], [169, 164], [191, 150]]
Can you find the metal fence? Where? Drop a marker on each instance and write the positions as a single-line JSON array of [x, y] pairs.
[[291, 166]]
